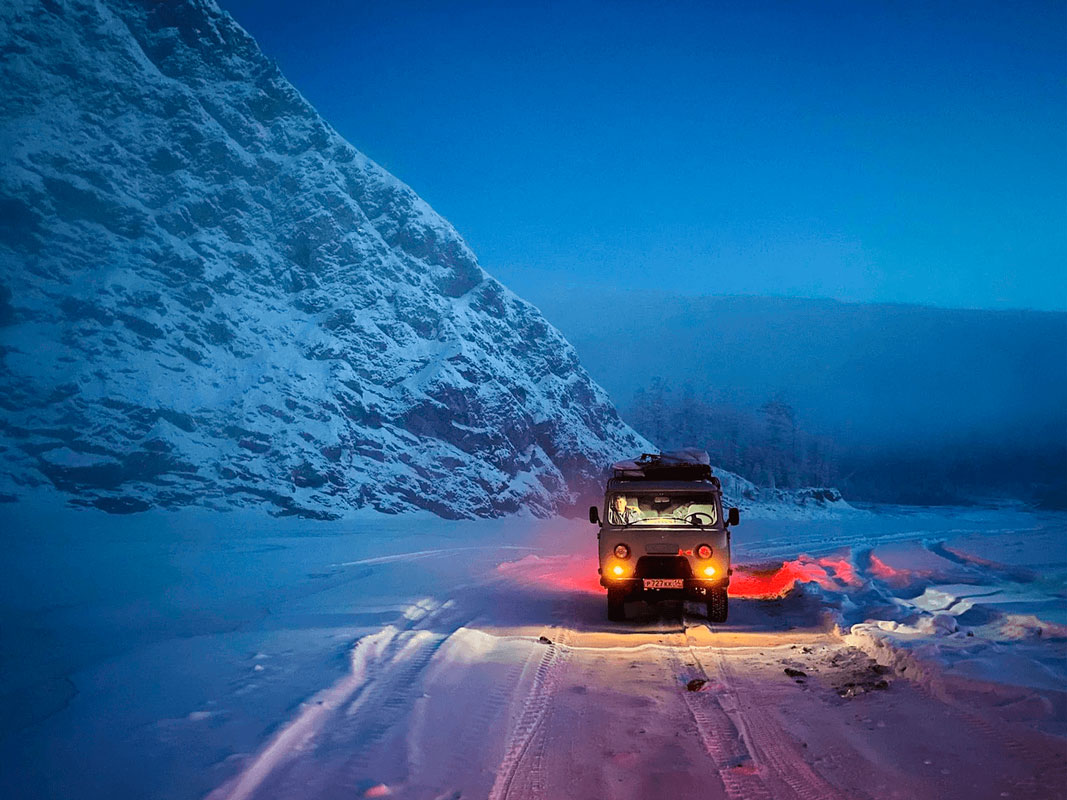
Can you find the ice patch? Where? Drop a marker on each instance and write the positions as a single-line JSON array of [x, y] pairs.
[[943, 598]]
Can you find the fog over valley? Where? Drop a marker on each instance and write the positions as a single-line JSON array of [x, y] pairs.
[[913, 403]]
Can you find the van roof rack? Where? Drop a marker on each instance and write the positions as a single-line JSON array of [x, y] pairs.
[[689, 464]]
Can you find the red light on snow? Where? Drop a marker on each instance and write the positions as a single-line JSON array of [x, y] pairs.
[[891, 575], [771, 583], [564, 572], [774, 581]]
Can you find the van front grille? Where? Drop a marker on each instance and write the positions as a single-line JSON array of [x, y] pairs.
[[661, 548], [663, 567]]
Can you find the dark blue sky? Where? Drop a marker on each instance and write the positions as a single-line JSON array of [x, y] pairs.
[[899, 152]]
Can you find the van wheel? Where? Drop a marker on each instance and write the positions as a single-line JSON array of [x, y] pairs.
[[616, 605], [718, 605]]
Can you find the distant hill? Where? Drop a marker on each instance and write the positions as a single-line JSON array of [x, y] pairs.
[[986, 390]]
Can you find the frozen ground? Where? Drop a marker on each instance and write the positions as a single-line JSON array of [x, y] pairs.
[[201, 654]]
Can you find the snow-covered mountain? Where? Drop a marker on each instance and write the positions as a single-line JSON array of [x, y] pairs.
[[207, 296]]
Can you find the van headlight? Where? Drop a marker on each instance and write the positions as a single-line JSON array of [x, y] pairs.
[[622, 551]]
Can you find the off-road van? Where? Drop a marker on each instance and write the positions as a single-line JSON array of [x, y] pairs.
[[662, 533]]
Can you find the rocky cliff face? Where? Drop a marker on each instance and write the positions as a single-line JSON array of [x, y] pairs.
[[207, 296]]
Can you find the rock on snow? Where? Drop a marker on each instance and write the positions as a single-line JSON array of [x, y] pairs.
[[207, 296]]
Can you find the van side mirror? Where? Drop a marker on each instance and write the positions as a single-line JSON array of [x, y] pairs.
[[594, 515], [733, 516]]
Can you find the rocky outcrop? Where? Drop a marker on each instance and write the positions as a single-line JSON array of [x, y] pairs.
[[207, 296]]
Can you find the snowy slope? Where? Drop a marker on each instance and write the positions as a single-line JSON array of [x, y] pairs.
[[207, 296]]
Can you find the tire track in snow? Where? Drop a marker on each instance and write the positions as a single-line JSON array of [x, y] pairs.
[[381, 707], [1052, 771], [772, 747], [525, 750], [335, 717], [755, 756], [420, 554], [722, 738], [470, 740], [285, 745]]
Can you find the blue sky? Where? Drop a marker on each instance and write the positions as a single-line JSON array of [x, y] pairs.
[[890, 152]]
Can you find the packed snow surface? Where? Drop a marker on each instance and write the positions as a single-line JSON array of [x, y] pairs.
[[197, 654], [207, 296]]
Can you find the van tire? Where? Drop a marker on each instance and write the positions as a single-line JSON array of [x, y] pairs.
[[616, 605], [718, 605]]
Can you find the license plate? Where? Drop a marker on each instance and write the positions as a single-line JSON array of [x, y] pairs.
[[663, 583]]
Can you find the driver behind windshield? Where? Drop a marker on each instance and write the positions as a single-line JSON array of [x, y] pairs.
[[620, 513], [685, 510]]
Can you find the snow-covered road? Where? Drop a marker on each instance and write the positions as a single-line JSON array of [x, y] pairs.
[[415, 658]]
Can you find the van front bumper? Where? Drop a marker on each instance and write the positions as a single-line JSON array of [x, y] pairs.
[[689, 586]]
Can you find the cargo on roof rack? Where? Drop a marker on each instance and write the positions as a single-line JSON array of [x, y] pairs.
[[679, 465]]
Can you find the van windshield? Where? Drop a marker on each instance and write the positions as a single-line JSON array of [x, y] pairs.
[[662, 509]]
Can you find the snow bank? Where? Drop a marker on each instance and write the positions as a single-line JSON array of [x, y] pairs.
[[793, 504], [973, 611]]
